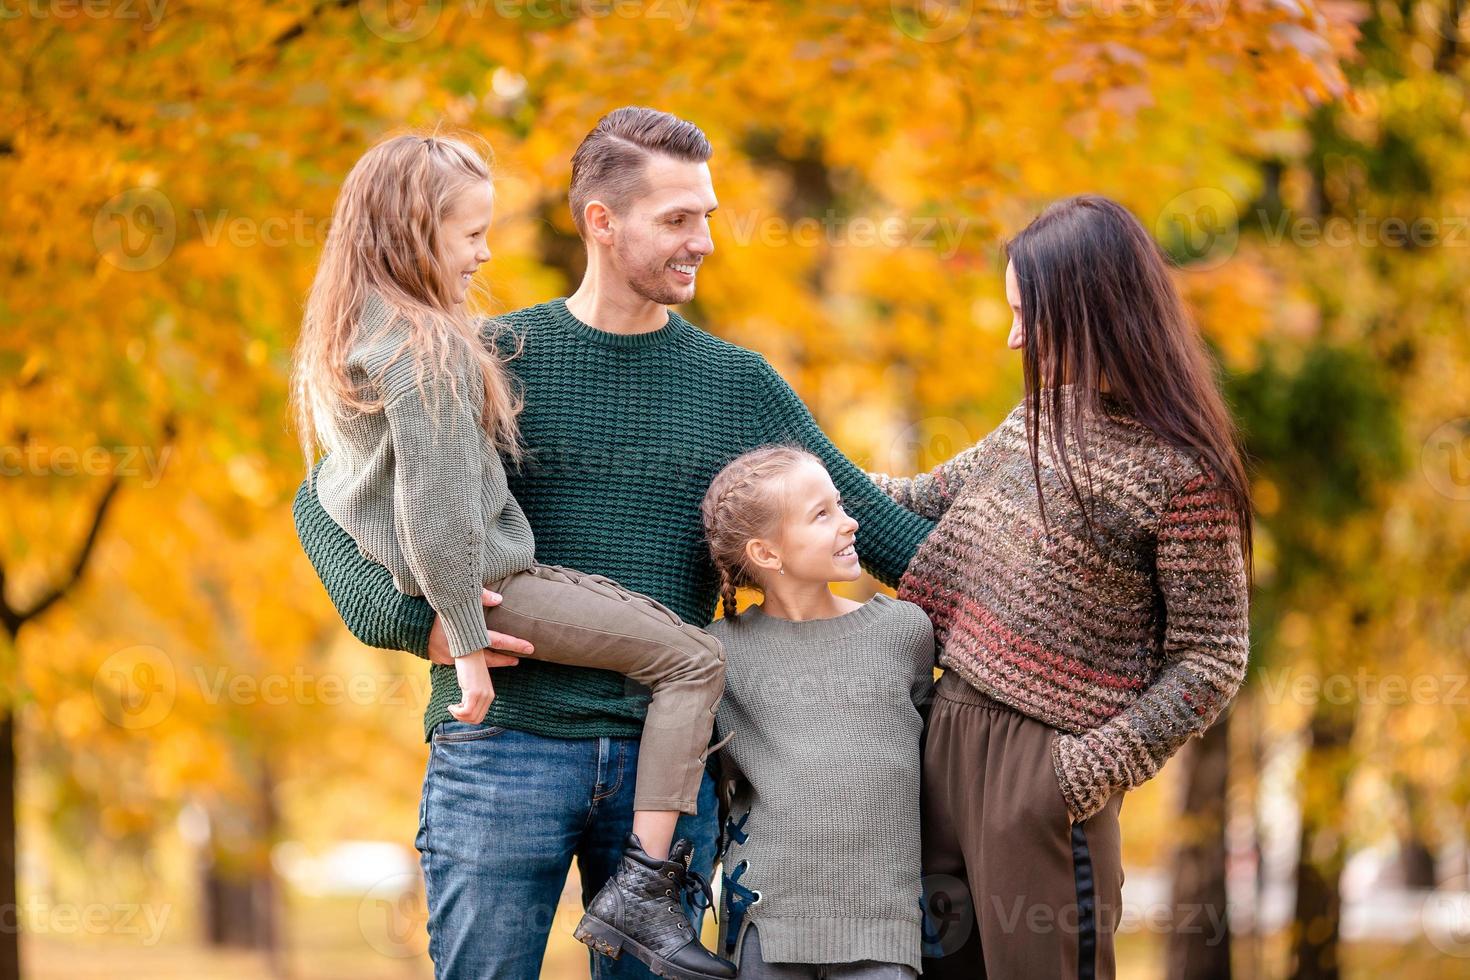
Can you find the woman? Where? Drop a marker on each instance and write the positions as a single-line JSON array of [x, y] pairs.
[[1088, 584]]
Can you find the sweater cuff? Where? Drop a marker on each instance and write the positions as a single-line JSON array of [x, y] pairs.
[[1083, 782], [464, 627]]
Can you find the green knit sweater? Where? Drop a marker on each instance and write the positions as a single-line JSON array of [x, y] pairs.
[[625, 433]]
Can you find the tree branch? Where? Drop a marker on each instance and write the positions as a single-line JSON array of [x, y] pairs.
[[14, 618]]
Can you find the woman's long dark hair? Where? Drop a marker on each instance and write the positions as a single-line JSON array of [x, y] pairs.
[[1097, 302]]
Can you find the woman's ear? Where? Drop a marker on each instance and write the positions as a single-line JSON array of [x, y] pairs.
[[761, 553]]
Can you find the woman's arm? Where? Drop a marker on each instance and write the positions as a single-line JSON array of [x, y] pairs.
[[888, 535], [930, 494], [1202, 576]]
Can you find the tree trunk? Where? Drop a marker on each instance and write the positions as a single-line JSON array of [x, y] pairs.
[[1416, 853], [1317, 928], [237, 885], [1199, 943], [12, 619], [10, 940]]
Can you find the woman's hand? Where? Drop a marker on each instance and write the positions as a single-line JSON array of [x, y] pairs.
[[439, 643], [476, 691]]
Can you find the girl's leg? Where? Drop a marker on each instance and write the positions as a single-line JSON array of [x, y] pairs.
[[591, 621], [754, 967], [655, 828]]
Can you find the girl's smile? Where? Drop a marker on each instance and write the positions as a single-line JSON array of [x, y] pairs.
[[464, 242], [816, 540]]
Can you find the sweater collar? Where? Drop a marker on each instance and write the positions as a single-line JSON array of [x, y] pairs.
[[817, 629], [628, 341]]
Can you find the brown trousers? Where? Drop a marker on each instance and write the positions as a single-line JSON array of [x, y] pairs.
[[1013, 890], [590, 621]]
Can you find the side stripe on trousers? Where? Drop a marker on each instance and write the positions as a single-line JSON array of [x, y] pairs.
[[1086, 912]]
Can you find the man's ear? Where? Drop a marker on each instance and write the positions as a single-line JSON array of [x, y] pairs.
[[762, 554], [597, 218]]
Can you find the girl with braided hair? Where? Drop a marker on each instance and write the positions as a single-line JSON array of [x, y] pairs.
[[822, 709]]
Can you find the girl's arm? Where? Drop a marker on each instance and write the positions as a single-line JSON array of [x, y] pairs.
[[1202, 576], [364, 595], [930, 494], [438, 499], [921, 689], [362, 590], [888, 535]]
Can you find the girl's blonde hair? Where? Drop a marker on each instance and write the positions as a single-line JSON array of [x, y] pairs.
[[386, 238], [743, 502]]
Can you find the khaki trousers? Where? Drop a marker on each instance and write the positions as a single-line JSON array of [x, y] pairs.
[[591, 621]]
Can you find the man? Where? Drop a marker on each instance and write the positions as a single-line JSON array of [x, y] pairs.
[[629, 412]]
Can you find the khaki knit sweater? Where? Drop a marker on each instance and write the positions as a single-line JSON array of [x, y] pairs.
[[419, 486], [1129, 641], [824, 730]]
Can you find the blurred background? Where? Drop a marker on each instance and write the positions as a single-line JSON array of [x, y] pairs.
[[203, 775]]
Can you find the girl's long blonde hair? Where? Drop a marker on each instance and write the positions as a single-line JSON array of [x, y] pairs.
[[386, 238]]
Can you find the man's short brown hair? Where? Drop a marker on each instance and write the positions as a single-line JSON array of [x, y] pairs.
[[610, 163]]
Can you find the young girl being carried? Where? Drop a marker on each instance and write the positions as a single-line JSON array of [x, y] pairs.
[[415, 407]]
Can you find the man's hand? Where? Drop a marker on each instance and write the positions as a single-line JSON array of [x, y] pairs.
[[439, 643]]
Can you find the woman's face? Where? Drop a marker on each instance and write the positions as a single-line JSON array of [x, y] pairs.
[[464, 242], [1017, 337]]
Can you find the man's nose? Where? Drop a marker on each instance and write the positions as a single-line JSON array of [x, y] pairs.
[[701, 244]]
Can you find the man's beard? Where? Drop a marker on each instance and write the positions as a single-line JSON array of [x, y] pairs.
[[653, 285]]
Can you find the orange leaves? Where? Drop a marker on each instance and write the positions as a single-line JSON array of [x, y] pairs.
[[168, 185]]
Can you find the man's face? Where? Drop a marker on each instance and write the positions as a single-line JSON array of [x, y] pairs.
[[661, 238]]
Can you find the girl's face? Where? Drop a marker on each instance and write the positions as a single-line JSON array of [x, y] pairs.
[[464, 242], [815, 540], [1017, 338]]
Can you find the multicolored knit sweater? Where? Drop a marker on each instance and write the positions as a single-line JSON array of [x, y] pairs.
[[1129, 639]]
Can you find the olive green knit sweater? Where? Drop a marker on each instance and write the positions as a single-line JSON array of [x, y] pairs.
[[625, 433]]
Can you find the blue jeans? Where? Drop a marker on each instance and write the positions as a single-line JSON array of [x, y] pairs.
[[502, 815]]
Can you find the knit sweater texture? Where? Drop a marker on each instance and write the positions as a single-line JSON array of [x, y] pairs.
[[624, 434], [419, 485], [824, 733], [1129, 639]]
